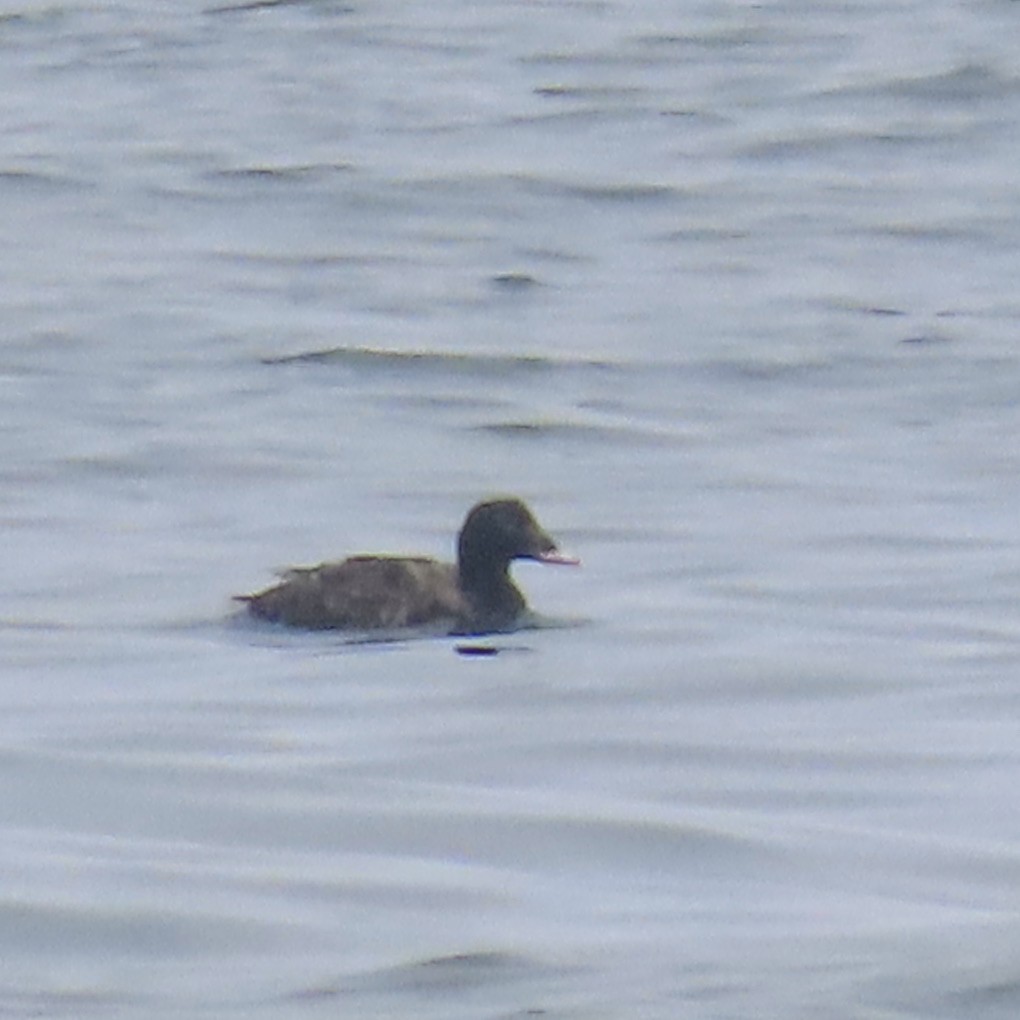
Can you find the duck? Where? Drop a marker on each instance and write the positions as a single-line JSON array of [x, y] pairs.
[[473, 596]]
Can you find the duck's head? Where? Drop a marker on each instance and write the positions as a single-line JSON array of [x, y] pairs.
[[501, 530]]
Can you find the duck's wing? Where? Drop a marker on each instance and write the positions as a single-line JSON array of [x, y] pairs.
[[363, 593]]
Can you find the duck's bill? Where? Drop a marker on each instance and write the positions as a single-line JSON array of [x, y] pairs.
[[556, 557]]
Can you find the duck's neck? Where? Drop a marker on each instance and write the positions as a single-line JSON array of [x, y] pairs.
[[494, 598]]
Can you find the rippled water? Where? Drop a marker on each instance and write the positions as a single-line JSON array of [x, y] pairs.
[[726, 291]]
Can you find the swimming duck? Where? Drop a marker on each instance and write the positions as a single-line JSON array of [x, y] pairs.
[[473, 596]]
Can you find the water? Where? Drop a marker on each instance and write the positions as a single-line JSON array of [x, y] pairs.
[[727, 292]]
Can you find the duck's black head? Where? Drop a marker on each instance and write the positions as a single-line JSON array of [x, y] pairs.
[[502, 530]]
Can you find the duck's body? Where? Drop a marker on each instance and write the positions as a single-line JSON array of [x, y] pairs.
[[473, 596]]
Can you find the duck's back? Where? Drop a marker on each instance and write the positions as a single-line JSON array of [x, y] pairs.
[[364, 593]]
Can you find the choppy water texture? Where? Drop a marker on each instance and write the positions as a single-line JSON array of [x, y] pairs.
[[728, 292]]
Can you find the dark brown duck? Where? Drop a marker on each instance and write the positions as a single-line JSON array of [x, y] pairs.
[[473, 596]]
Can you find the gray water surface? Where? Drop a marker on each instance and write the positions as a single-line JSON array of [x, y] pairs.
[[727, 292]]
